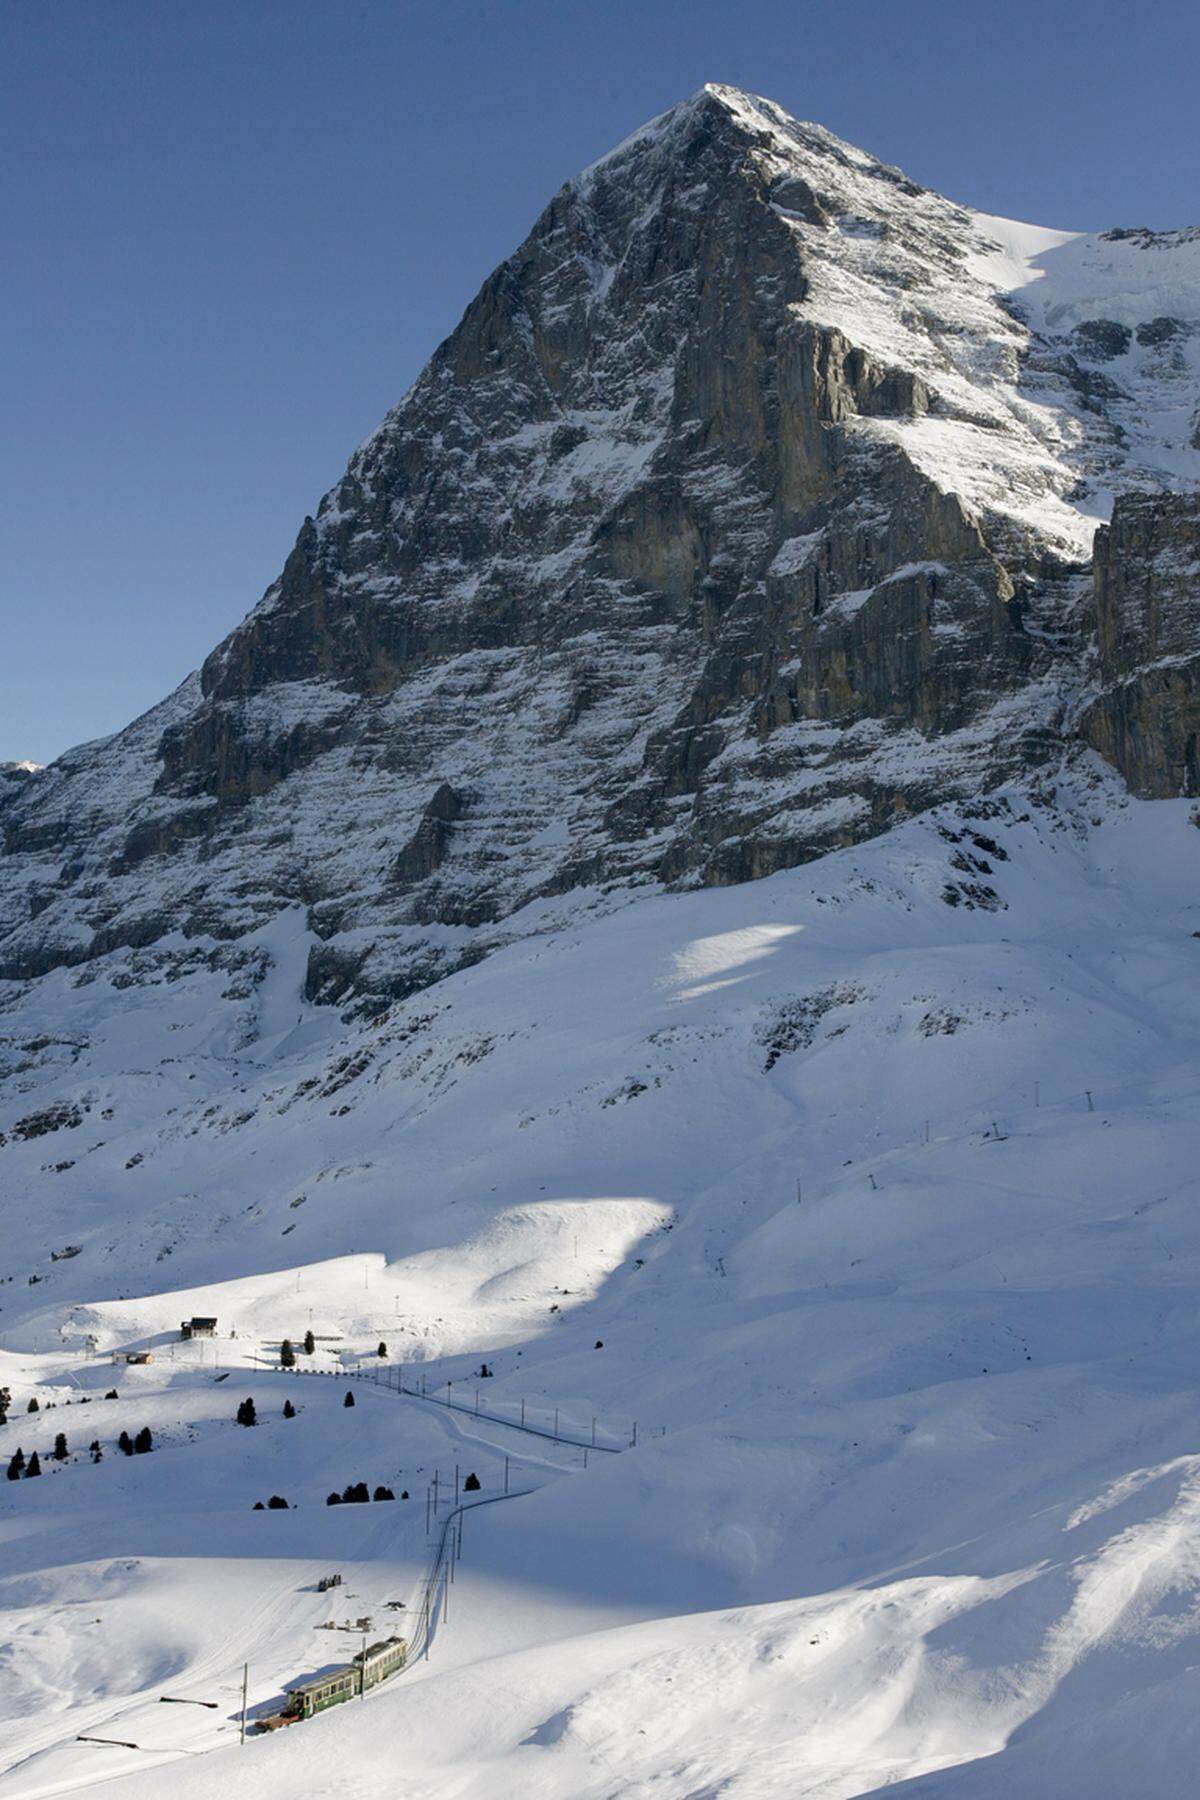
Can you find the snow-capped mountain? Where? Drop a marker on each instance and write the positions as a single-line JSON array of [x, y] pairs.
[[683, 895], [749, 509]]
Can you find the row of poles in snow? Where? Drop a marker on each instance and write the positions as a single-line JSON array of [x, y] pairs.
[[994, 1133], [436, 1398]]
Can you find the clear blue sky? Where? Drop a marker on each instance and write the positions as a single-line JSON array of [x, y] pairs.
[[233, 230]]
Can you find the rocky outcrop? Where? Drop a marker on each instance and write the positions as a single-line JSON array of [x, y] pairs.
[[426, 850], [1146, 718]]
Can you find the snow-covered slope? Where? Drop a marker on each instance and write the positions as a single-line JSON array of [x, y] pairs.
[[875, 1183]]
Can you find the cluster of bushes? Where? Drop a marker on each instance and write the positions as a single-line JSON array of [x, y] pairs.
[[287, 1350], [34, 1404], [358, 1492], [248, 1415], [137, 1446], [276, 1503]]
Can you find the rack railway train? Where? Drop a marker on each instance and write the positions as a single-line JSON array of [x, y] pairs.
[[366, 1670]]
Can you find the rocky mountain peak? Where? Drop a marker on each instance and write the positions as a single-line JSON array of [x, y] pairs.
[[748, 509]]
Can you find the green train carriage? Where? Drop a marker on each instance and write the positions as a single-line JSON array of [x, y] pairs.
[[346, 1682]]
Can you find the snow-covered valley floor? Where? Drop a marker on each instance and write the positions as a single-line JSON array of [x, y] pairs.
[[868, 1192]]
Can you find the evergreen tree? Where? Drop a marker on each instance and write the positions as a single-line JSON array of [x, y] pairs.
[[287, 1356], [5, 1403], [382, 1350], [258, 1506], [34, 1468], [404, 1493], [333, 1499], [349, 1400], [142, 1442], [124, 1444], [111, 1394], [33, 1404], [310, 1342], [16, 1463], [289, 1411], [471, 1484], [277, 1503], [246, 1414], [383, 1493], [96, 1452], [60, 1447]]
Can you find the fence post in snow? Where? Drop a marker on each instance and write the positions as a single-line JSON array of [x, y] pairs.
[[633, 1439], [1091, 1107], [506, 1474]]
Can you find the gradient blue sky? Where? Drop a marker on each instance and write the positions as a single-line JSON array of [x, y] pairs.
[[233, 230]]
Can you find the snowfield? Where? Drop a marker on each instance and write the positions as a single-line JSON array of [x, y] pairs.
[[856, 1207]]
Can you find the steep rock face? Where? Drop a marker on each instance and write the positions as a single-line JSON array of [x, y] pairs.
[[1146, 719], [745, 512]]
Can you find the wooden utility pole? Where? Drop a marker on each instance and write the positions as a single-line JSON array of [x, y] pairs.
[[245, 1688]]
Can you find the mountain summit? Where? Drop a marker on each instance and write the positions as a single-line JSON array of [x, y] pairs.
[[749, 509]]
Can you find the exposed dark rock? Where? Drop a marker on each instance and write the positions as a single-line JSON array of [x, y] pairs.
[[427, 848], [1146, 719], [1102, 339], [1161, 331]]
